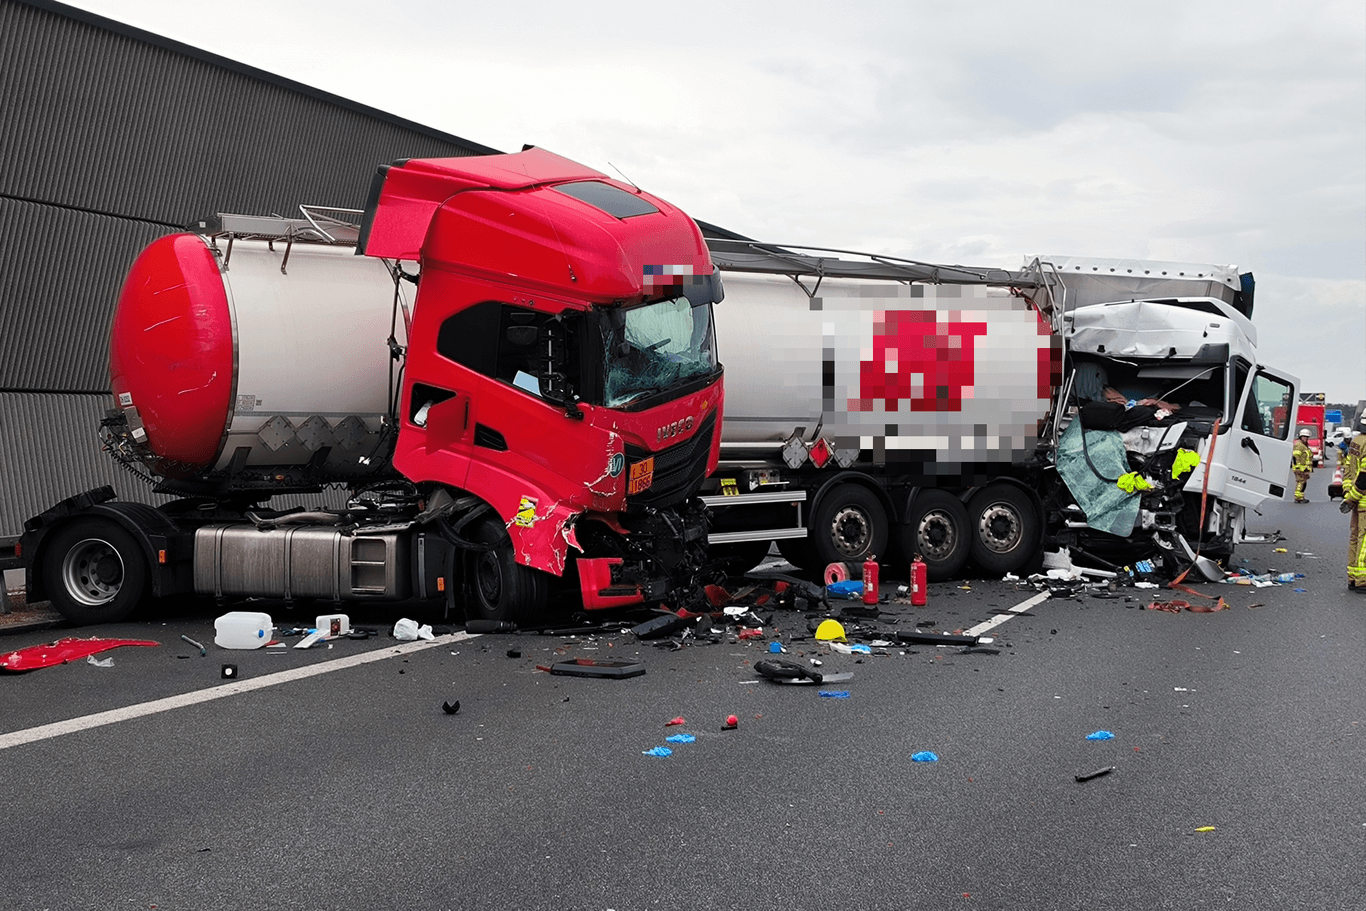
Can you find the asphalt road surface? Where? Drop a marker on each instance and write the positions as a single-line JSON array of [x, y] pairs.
[[332, 778]]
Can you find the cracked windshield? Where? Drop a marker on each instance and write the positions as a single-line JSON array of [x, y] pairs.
[[655, 346]]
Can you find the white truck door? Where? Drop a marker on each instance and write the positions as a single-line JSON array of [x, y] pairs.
[[1252, 458]]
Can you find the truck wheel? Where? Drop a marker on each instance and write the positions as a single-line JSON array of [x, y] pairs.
[[1005, 528], [94, 571], [849, 525], [938, 531], [503, 589]]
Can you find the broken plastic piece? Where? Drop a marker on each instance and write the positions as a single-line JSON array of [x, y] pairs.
[[751, 633], [317, 635], [787, 671], [659, 627], [1096, 774], [451, 708], [681, 738], [673, 721], [834, 694], [60, 652], [775, 648], [657, 751], [593, 667], [927, 638], [99, 662], [924, 756], [1205, 829], [1100, 735]]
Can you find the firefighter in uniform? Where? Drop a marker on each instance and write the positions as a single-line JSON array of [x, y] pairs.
[[1354, 503], [1302, 463]]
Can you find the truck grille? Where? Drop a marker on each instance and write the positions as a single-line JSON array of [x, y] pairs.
[[679, 470]]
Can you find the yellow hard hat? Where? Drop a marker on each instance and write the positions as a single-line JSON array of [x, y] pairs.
[[829, 630]]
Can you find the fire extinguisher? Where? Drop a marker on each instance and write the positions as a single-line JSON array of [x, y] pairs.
[[870, 579], [918, 581]]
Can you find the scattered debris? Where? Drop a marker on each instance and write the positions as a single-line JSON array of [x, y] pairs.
[[62, 651], [99, 662], [243, 630], [451, 708], [1100, 735], [657, 751], [595, 667], [1205, 829], [487, 626], [202, 650], [1096, 774], [405, 630], [834, 694], [681, 738], [666, 624], [674, 721], [731, 724], [924, 756]]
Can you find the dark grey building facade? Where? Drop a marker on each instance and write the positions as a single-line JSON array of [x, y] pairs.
[[109, 138]]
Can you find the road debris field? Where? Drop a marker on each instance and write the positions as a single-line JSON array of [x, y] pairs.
[[1068, 744]]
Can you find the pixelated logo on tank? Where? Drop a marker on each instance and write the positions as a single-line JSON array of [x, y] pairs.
[[919, 359]]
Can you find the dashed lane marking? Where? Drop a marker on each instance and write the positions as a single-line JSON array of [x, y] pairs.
[[235, 688], [1010, 613]]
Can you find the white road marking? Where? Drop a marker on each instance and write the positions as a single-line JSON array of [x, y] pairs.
[[237, 687], [997, 620]]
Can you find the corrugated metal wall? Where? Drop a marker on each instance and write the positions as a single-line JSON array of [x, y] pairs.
[[111, 137]]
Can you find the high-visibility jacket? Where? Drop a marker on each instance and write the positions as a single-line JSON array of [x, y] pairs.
[[1302, 458], [1353, 482]]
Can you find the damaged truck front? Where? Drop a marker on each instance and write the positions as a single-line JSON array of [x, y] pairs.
[[878, 406], [545, 406]]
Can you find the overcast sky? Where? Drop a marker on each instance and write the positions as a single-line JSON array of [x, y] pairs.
[[975, 132]]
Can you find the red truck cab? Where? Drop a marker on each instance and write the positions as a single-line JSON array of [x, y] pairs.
[[562, 390]]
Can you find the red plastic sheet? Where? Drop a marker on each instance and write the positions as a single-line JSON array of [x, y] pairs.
[[60, 652]]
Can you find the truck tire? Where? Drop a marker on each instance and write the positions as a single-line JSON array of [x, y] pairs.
[[1005, 528], [500, 587], [938, 530], [94, 571], [848, 526]]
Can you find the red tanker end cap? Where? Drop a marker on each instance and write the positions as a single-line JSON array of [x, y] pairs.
[[171, 348]]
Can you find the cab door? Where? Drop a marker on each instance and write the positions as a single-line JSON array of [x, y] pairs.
[[1251, 461]]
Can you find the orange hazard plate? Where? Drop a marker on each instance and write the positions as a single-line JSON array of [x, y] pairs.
[[642, 476]]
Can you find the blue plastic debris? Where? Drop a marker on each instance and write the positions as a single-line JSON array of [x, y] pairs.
[[775, 648], [860, 650], [1302, 590], [657, 751], [924, 756], [835, 694], [681, 738], [1100, 735], [846, 589]]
